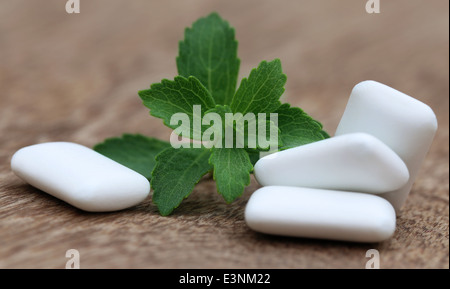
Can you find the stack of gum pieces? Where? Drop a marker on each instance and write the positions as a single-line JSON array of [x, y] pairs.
[[348, 187]]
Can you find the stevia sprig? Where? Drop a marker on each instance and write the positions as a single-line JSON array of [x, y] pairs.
[[208, 69]]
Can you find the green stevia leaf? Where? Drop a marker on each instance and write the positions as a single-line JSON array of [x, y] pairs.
[[209, 52], [136, 152], [178, 96], [176, 173], [253, 155], [298, 128], [221, 110], [208, 66], [262, 90], [324, 133], [232, 169]]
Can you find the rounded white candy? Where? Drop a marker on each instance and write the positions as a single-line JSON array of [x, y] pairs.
[[325, 214], [352, 162], [80, 176], [403, 123]]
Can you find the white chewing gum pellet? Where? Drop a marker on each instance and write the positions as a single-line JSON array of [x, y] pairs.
[[322, 214], [353, 162], [405, 124], [80, 176]]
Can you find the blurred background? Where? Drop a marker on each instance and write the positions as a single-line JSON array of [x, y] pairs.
[[59, 70], [75, 77]]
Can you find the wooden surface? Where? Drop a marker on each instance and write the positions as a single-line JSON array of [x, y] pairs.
[[75, 78]]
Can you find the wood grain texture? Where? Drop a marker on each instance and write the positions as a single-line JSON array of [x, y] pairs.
[[76, 77]]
